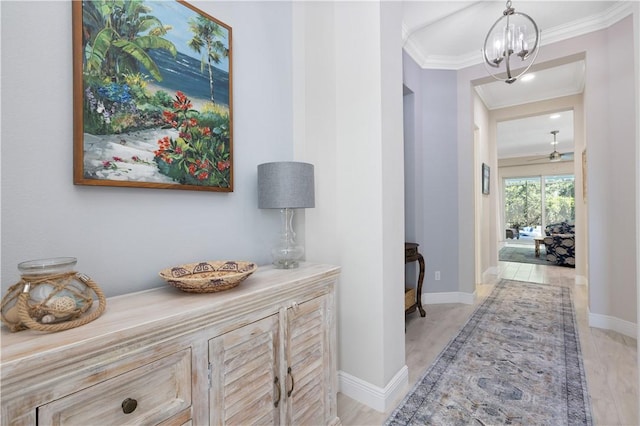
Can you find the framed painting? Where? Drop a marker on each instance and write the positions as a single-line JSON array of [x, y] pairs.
[[485, 178], [152, 96]]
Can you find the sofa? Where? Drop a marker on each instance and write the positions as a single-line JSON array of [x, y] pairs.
[[560, 244]]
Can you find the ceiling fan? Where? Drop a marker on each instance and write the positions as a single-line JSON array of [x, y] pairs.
[[555, 155]]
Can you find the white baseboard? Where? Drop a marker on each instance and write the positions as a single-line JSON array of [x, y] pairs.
[[374, 396], [612, 323], [490, 276], [581, 280], [448, 297]]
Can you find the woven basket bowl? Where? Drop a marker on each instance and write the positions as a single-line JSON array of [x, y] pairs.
[[208, 277]]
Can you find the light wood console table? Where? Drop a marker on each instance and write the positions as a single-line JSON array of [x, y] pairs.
[[262, 352]]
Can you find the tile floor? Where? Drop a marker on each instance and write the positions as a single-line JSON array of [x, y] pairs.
[[610, 359]]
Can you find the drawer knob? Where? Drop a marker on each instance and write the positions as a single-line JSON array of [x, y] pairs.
[[129, 405]]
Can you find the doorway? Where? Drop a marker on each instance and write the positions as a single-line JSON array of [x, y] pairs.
[[532, 203]]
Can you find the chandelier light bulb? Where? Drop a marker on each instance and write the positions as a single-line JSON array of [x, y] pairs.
[[507, 37], [497, 48]]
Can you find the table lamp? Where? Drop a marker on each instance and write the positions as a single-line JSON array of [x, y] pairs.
[[286, 185]]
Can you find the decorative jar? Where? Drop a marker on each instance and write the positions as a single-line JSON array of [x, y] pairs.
[[51, 296]]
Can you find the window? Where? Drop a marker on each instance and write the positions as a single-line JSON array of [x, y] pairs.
[[559, 196], [530, 203]]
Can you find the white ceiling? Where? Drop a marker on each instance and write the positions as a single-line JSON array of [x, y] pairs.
[[562, 80], [532, 135], [450, 34]]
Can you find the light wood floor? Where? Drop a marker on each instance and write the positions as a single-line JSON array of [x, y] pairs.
[[610, 359]]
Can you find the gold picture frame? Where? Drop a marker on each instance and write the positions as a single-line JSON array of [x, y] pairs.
[[152, 96], [486, 179], [584, 174]]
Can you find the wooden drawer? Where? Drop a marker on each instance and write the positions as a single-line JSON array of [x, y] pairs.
[[162, 389]]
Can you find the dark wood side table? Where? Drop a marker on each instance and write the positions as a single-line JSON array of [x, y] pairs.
[[411, 254]]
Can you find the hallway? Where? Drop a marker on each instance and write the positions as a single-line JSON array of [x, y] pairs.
[[610, 359]]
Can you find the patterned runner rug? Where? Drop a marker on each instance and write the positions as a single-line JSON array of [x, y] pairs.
[[523, 255], [516, 361]]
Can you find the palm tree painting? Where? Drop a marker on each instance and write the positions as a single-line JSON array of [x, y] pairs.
[[152, 96], [207, 36]]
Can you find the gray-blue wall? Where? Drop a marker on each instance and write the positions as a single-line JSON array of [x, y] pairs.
[[432, 172], [122, 237]]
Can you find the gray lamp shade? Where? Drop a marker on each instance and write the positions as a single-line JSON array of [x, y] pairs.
[[285, 184]]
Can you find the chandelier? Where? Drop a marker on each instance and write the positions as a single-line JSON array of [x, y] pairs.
[[513, 37]]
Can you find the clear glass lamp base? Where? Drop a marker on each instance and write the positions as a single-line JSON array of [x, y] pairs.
[[287, 254], [285, 264]]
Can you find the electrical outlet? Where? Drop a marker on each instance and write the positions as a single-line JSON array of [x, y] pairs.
[[437, 275]]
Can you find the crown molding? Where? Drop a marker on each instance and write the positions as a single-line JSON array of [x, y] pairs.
[[576, 28], [506, 103], [588, 25], [414, 51], [452, 62], [405, 32]]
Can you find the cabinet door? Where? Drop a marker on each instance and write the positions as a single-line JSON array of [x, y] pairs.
[[308, 381], [245, 388]]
